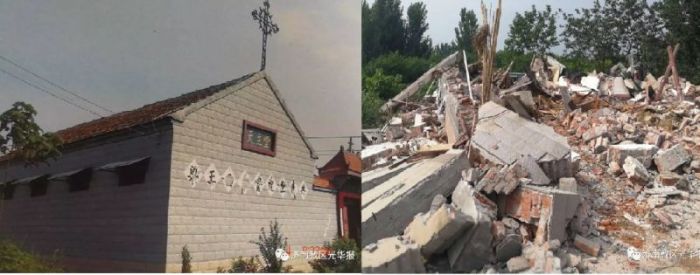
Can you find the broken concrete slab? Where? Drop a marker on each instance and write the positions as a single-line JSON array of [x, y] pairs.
[[642, 152], [392, 255], [534, 204], [388, 208], [671, 159], [534, 171], [472, 249], [635, 170], [619, 89], [502, 137], [435, 233], [372, 178]]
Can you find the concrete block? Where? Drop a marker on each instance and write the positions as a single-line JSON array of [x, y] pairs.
[[595, 132], [433, 234], [635, 170], [389, 207], [642, 152], [392, 255], [473, 249], [534, 171], [503, 137], [568, 184], [672, 158], [619, 90]]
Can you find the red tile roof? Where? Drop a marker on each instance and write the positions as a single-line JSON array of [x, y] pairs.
[[353, 161], [148, 113]]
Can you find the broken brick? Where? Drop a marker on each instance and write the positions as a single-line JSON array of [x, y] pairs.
[[590, 247]]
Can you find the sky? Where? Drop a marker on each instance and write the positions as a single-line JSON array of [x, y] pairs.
[[129, 53], [443, 15]]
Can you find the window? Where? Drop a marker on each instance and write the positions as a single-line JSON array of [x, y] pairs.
[[258, 139], [7, 190], [38, 186], [80, 181], [133, 173]]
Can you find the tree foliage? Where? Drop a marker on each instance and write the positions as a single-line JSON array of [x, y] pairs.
[[385, 31], [466, 30], [417, 44], [186, 266], [681, 20], [14, 259], [533, 31], [268, 245], [19, 134], [614, 30]]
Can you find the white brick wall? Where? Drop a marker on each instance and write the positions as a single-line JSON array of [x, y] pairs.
[[218, 225]]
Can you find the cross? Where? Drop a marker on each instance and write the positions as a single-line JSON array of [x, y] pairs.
[[264, 18]]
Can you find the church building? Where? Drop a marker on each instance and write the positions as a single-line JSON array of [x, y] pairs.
[[206, 170]]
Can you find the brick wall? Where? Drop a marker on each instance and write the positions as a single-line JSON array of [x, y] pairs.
[[105, 228], [217, 224]]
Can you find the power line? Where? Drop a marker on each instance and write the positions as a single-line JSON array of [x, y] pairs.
[[54, 84], [48, 92]]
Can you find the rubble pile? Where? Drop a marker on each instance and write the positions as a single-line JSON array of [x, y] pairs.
[[548, 175]]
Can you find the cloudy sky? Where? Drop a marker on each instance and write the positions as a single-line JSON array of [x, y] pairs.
[[443, 15], [125, 54]]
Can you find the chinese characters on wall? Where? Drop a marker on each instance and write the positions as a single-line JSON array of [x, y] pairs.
[[262, 183]]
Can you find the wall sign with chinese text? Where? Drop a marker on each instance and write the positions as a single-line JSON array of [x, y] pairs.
[[262, 183], [259, 139]]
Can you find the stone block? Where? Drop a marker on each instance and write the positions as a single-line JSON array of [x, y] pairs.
[[433, 234], [642, 152], [672, 158], [635, 170]]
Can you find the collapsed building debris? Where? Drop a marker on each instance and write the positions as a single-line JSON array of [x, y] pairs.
[[388, 208], [553, 174]]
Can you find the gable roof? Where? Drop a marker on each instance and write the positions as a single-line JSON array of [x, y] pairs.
[[177, 108], [351, 161]]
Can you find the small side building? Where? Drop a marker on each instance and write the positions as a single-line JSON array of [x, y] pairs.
[[207, 169], [342, 175]]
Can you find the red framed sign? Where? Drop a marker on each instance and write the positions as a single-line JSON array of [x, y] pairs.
[[259, 139]]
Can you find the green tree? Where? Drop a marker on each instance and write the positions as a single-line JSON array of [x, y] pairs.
[[533, 31], [408, 67], [268, 245], [186, 266], [417, 44], [465, 31], [383, 85], [681, 19], [19, 134], [370, 40], [614, 30], [385, 31]]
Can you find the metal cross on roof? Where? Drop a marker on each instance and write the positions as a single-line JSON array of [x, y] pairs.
[[264, 18]]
